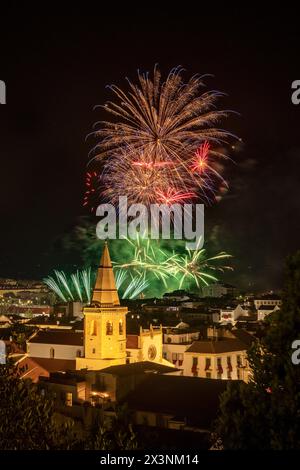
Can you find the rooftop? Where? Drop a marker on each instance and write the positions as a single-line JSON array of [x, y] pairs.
[[267, 307], [268, 297], [145, 367], [191, 398], [63, 337], [217, 346]]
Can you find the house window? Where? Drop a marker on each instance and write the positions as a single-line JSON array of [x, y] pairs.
[[229, 365], [239, 360], [68, 399], [180, 359], [52, 353], [219, 368], [78, 353], [109, 328], [195, 367], [174, 358], [121, 330], [208, 375], [207, 363]]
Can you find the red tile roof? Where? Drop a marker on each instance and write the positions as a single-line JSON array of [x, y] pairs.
[[35, 367]]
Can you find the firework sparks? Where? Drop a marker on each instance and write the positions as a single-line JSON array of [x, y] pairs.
[[151, 148], [73, 288], [193, 266], [200, 161], [136, 286], [171, 196], [91, 195]]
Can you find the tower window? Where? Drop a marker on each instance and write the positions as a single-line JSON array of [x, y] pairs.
[[109, 328], [121, 329], [93, 331]]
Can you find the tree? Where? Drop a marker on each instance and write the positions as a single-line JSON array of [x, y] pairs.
[[115, 435], [264, 414], [27, 416]]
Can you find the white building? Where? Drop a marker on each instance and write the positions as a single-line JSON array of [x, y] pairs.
[[231, 314], [218, 290], [271, 300], [176, 341], [62, 344], [218, 359], [265, 310]]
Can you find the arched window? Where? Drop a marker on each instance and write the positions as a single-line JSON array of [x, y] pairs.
[[93, 326], [52, 353], [121, 330], [109, 328]]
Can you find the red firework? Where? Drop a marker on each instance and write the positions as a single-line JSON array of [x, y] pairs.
[[172, 196], [91, 193], [199, 164]]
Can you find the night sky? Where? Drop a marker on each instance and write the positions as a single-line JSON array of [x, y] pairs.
[[56, 69]]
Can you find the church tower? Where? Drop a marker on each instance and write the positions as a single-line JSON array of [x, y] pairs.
[[104, 322]]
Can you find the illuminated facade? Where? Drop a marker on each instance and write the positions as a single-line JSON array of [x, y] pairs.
[[104, 322]]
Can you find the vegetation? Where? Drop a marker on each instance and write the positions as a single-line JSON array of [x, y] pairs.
[[264, 414]]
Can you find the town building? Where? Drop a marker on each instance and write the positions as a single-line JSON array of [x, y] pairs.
[[265, 310], [176, 342], [267, 299], [219, 290], [56, 344], [231, 314], [225, 358], [103, 342]]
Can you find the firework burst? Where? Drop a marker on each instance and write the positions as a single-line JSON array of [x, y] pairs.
[[152, 144], [192, 267]]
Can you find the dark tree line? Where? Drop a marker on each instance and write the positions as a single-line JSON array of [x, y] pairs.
[[265, 414]]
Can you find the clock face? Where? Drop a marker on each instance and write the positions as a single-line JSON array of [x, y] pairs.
[[152, 352]]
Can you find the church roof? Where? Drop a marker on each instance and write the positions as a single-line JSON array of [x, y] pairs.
[[105, 291]]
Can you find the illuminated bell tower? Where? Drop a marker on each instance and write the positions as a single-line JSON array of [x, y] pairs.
[[104, 322]]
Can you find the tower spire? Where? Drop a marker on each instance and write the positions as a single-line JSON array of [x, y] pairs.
[[105, 291]]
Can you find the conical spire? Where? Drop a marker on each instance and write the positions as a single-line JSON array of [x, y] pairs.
[[105, 291]]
